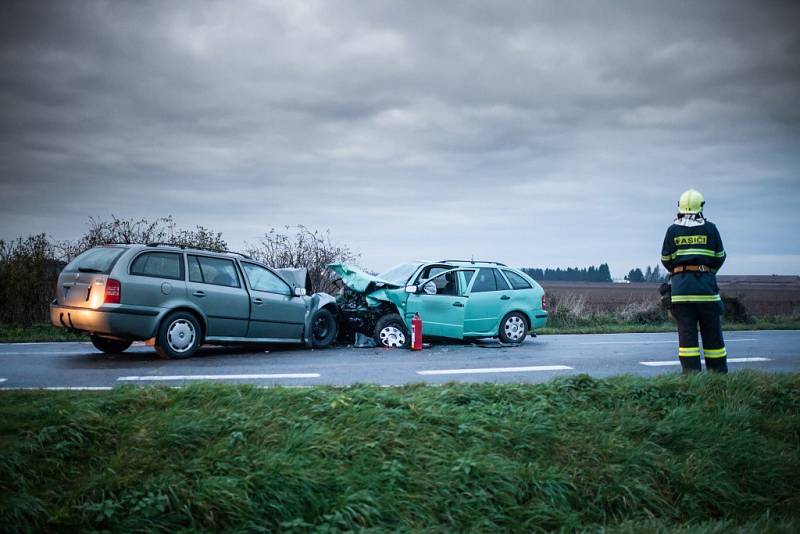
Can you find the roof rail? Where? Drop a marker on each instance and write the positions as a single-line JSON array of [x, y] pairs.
[[184, 247], [474, 261]]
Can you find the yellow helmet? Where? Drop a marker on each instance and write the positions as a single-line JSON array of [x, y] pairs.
[[691, 201]]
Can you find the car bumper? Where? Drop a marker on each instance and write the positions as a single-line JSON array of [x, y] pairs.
[[122, 321], [538, 320]]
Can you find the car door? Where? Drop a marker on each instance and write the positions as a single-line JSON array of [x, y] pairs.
[[216, 288], [155, 278], [275, 313], [488, 299], [440, 303]]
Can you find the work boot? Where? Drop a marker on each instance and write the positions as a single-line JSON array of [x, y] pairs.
[[717, 365], [690, 364]]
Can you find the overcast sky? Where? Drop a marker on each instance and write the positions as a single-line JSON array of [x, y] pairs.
[[534, 133]]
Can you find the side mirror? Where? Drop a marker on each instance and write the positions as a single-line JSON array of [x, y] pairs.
[[411, 289], [299, 292]]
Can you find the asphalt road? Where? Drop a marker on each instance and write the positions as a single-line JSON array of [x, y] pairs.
[[80, 366]]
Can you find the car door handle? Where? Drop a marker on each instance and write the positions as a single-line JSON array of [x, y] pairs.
[[200, 294], [505, 297], [258, 302], [458, 304]]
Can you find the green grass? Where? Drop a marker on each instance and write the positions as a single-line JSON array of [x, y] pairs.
[[703, 453], [36, 333]]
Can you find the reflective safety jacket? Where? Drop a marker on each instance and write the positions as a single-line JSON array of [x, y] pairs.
[[693, 245]]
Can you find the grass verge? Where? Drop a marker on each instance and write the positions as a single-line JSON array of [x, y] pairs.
[[37, 333], [702, 453]]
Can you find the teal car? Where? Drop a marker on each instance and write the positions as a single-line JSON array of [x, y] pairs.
[[456, 299]]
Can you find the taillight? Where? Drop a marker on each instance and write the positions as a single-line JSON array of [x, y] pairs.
[[113, 291], [544, 301]]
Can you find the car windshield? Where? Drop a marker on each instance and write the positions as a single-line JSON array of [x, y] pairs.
[[399, 274]]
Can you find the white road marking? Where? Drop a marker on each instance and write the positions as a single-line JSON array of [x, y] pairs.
[[91, 352], [51, 343], [494, 370], [34, 353], [214, 377], [3, 379], [730, 360], [652, 342]]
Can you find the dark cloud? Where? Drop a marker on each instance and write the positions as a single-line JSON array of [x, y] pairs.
[[537, 133]]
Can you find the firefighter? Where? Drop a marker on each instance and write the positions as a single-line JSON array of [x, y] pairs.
[[692, 254]]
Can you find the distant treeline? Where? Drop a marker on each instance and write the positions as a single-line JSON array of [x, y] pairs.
[[600, 273], [652, 274]]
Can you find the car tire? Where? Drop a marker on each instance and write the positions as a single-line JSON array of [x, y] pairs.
[[179, 336], [391, 332], [110, 346], [323, 329], [513, 328]]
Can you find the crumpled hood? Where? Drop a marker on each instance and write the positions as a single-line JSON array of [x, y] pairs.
[[358, 280]]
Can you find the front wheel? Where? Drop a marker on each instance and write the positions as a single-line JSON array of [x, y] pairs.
[[390, 331], [513, 328], [110, 346], [323, 329], [178, 336]]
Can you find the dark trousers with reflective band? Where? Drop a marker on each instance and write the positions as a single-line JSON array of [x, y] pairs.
[[707, 315]]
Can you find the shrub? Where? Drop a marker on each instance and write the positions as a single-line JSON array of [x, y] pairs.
[[28, 275], [301, 247], [643, 312]]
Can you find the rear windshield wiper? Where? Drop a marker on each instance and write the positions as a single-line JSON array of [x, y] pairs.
[[90, 270]]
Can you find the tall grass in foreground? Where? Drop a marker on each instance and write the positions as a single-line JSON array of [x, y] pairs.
[[704, 453]]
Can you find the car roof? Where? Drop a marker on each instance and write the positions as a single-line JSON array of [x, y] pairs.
[[179, 248], [472, 263]]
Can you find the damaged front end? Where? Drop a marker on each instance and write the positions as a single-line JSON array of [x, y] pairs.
[[363, 300]]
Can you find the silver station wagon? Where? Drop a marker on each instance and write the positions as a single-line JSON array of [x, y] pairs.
[[177, 299]]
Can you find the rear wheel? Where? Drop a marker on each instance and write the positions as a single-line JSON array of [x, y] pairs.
[[178, 336], [513, 328], [110, 346], [323, 329], [390, 331]]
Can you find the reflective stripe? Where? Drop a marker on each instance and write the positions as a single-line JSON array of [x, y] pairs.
[[695, 251], [715, 353], [695, 298], [686, 352]]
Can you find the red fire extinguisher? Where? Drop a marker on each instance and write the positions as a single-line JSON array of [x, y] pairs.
[[416, 332]]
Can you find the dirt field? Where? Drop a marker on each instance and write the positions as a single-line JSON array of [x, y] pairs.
[[761, 295]]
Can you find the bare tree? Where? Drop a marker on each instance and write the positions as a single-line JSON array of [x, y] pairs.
[[298, 246]]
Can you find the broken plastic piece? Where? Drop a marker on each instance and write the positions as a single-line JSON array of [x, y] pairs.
[[364, 342]]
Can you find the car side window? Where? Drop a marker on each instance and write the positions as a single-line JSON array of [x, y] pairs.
[[444, 284], [430, 272], [517, 282], [158, 265], [484, 282], [262, 279], [466, 278], [216, 271], [502, 285]]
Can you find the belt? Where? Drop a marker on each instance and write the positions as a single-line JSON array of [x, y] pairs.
[[692, 268]]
